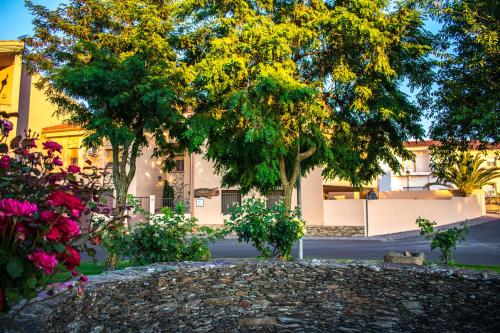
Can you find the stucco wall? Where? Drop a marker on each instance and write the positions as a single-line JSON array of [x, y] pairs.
[[148, 176], [210, 213], [398, 215], [344, 212]]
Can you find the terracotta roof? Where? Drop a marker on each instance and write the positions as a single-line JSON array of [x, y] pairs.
[[61, 128], [427, 143], [423, 143]]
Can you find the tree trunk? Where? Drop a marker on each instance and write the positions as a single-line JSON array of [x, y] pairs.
[[287, 200], [111, 262], [288, 184], [124, 167]]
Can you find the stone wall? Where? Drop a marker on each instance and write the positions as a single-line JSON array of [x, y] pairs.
[[320, 230], [334, 231], [270, 296]]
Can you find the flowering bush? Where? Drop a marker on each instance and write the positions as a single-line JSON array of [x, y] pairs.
[[40, 206], [271, 231], [169, 237]]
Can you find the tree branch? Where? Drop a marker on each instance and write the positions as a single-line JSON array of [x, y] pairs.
[[307, 154]]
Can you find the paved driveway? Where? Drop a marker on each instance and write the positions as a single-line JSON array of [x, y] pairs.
[[482, 247]]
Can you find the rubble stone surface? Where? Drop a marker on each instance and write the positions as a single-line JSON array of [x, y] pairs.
[[274, 296]]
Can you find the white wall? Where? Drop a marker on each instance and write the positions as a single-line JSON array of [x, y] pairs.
[[344, 212], [398, 215]]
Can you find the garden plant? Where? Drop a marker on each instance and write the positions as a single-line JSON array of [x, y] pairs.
[[272, 231], [444, 240]]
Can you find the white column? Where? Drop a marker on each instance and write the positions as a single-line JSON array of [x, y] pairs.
[[152, 202]]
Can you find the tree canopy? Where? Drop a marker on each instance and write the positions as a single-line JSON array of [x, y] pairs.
[[282, 87], [467, 98], [110, 66]]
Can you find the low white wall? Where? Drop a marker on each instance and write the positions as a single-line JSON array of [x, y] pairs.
[[398, 215], [344, 212]]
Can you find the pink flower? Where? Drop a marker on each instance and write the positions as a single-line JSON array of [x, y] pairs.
[[54, 235], [5, 162], [64, 230], [57, 161], [52, 146], [73, 169], [44, 261], [74, 273], [6, 126], [48, 216], [84, 279], [61, 198], [69, 227], [71, 258], [21, 231], [15, 207]]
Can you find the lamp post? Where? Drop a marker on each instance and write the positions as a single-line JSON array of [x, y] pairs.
[[407, 180]]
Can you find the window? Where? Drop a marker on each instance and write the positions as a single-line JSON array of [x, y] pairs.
[[273, 198], [73, 156], [179, 165], [230, 198], [492, 163]]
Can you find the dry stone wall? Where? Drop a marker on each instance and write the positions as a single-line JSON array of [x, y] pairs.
[[274, 296]]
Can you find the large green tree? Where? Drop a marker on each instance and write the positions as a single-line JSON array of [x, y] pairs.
[[467, 94], [282, 87], [109, 66]]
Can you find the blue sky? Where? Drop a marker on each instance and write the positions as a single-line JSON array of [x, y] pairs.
[[16, 21]]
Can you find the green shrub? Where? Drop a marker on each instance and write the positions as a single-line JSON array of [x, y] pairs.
[[444, 240], [169, 238], [271, 231]]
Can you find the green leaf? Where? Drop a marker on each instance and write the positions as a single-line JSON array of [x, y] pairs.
[[15, 142], [31, 283], [12, 296], [15, 267], [59, 247]]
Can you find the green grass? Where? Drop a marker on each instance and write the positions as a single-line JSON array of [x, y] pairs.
[[88, 268], [495, 268]]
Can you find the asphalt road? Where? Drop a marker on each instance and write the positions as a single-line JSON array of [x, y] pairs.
[[481, 247]]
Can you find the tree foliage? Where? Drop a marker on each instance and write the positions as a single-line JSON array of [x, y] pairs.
[[464, 171], [467, 105], [109, 65], [282, 87]]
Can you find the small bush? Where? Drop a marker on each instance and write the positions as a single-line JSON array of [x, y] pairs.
[[444, 240], [271, 231], [169, 238]]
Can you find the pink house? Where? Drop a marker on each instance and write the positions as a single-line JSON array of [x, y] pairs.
[[330, 207]]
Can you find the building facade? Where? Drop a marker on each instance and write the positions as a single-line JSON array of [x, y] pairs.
[[19, 95]]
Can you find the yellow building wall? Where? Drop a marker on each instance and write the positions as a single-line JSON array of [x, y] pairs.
[[20, 96], [11, 58], [41, 111]]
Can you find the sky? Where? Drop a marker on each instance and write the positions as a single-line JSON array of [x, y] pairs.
[[16, 21]]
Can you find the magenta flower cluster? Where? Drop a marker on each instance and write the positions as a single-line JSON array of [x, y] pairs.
[[39, 224]]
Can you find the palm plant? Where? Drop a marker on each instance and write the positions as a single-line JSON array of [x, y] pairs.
[[466, 174]]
